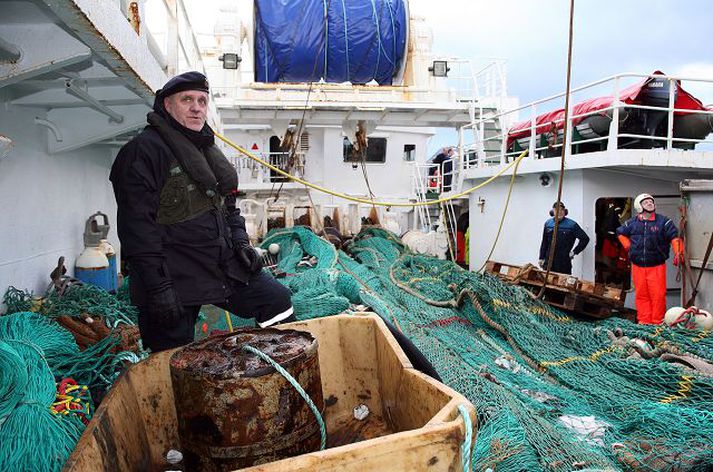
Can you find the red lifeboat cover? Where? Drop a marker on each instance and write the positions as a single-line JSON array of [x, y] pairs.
[[549, 121]]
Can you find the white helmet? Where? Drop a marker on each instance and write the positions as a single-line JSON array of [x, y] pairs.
[[640, 198]]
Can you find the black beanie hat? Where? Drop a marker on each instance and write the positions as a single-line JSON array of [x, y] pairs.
[[187, 81]]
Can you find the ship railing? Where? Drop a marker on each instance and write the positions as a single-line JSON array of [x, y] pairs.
[[254, 172], [426, 184], [483, 143], [169, 35], [295, 95], [449, 171], [484, 82], [429, 179]]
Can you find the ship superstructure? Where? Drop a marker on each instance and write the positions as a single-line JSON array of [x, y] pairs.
[[309, 127], [647, 133]]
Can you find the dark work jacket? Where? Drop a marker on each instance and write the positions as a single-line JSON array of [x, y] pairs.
[[194, 256], [568, 231], [445, 167], [650, 239]]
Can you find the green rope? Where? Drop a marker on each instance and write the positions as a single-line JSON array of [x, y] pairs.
[[298, 387], [33, 439], [13, 380], [465, 448]]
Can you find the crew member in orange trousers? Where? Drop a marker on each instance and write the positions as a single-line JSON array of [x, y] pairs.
[[647, 236]]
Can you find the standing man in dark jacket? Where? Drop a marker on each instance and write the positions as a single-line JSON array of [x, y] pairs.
[[568, 231], [444, 160], [180, 230], [647, 236]]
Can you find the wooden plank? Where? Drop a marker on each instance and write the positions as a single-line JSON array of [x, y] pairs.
[[434, 448]]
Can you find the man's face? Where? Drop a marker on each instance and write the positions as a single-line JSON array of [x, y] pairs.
[[189, 108], [648, 205], [559, 213]]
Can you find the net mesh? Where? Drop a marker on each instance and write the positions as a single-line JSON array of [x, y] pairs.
[[552, 392]]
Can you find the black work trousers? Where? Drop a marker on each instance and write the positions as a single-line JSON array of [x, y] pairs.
[[263, 298]]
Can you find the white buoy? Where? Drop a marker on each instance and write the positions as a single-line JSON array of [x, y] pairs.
[[703, 320], [273, 249], [673, 314]]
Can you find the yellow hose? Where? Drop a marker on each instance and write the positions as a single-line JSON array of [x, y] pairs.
[[363, 200], [228, 321]]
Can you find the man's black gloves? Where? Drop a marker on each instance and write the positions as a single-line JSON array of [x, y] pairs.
[[160, 302], [163, 307], [248, 258]]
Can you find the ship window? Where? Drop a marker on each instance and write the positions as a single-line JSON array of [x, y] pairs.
[[375, 151], [611, 261], [409, 152]]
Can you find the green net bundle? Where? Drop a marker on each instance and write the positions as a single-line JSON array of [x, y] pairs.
[[552, 392], [34, 353], [77, 300], [320, 289], [42, 411]]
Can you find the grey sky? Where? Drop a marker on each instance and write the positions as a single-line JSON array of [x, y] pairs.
[[611, 36]]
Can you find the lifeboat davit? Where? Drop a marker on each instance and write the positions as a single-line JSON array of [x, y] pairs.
[[594, 119]]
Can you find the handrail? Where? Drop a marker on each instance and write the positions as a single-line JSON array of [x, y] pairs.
[[494, 70], [532, 130], [589, 85]]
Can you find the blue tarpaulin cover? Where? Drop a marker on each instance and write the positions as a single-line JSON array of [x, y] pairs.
[[364, 40]]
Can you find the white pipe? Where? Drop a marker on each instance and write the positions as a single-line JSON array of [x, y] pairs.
[[82, 94]]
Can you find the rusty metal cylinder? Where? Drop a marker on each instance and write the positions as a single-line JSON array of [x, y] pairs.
[[234, 410]]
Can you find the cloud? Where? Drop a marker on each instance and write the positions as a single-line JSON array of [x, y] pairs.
[[698, 70]]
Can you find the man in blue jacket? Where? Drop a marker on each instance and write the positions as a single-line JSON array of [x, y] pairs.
[[568, 231], [647, 236]]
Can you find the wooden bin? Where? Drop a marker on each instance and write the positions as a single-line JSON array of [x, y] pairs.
[[413, 424]]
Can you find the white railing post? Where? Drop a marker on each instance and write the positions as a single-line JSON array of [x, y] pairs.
[[481, 140], [479, 155], [503, 80], [671, 105], [613, 140], [533, 130], [503, 143], [464, 164]]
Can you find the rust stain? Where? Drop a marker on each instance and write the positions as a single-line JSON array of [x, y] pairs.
[[349, 430], [234, 410], [331, 401]]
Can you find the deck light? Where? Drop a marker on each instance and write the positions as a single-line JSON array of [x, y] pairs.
[[439, 69], [230, 60]]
